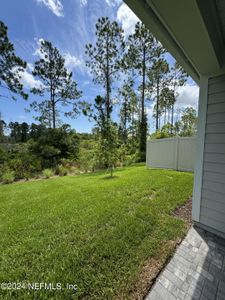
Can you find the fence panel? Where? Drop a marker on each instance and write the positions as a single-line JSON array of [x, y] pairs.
[[172, 153], [186, 154]]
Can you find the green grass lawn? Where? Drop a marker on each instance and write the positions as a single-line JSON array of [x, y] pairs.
[[87, 230]]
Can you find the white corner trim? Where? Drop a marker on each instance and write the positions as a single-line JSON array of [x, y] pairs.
[[199, 157]]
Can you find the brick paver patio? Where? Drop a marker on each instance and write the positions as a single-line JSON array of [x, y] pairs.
[[196, 271]]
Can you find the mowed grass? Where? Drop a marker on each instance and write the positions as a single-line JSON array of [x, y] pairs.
[[88, 230]]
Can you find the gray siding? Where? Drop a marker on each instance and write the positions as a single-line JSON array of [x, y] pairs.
[[212, 212]]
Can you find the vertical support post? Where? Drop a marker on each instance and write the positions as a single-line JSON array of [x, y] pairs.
[[147, 151], [199, 156], [176, 153]]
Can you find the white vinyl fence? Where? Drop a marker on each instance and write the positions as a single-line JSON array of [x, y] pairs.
[[172, 153]]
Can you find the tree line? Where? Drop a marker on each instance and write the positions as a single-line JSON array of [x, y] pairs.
[[134, 74]]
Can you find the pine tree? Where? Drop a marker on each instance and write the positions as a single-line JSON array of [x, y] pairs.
[[57, 85], [11, 66], [105, 57], [158, 79], [128, 110], [107, 135], [189, 121], [178, 78], [142, 49], [166, 100]]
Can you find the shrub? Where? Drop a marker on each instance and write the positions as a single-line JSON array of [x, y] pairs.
[[54, 145], [25, 165], [61, 170], [74, 170], [47, 173], [27, 176], [8, 177], [87, 160], [3, 156]]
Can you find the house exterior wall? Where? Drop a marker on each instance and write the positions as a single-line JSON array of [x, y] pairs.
[[212, 204]]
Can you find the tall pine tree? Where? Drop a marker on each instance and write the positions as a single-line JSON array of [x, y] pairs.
[[158, 79], [11, 66], [142, 49], [104, 57], [57, 85], [178, 78]]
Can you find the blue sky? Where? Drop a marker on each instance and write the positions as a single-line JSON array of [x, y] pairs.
[[69, 25]]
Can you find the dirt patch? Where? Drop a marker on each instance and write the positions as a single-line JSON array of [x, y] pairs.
[[185, 212]]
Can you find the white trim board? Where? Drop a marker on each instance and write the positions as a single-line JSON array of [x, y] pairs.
[[199, 157]]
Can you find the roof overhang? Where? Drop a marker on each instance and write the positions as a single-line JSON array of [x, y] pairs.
[[189, 30]]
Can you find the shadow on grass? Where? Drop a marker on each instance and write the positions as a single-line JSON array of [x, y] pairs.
[[108, 177]]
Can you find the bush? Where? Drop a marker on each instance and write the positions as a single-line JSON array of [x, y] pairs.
[[8, 177], [54, 145], [61, 170], [48, 173], [74, 170], [25, 165], [87, 160], [3, 156]]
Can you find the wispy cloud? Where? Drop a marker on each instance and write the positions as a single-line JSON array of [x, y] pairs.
[[83, 2], [54, 5], [127, 19], [113, 2], [21, 117]]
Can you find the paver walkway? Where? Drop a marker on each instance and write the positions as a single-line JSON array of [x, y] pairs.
[[196, 271]]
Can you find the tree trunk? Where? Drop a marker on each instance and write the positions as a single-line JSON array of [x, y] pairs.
[[165, 116], [172, 113], [125, 121], [157, 105], [53, 115], [168, 115], [111, 170], [107, 83], [143, 127]]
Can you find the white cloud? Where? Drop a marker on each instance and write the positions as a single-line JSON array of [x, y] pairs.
[[37, 51], [83, 2], [29, 81], [30, 67], [26, 77], [72, 61], [113, 2], [127, 18], [54, 5], [188, 96]]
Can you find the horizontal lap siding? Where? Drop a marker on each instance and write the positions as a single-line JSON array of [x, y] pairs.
[[213, 186], [213, 167], [215, 148], [209, 204]]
